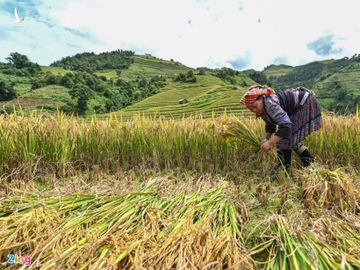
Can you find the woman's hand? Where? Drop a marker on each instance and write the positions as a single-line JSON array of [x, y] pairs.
[[266, 145]]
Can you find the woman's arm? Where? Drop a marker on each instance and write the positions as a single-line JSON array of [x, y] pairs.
[[278, 116]]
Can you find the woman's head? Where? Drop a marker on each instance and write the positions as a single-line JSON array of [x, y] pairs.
[[254, 98], [257, 106]]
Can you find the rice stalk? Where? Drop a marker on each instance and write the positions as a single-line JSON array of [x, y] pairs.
[[131, 231], [238, 130], [330, 189]]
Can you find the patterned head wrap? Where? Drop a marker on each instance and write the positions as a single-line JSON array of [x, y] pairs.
[[254, 92]]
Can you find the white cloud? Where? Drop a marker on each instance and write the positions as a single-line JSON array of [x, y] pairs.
[[220, 30]]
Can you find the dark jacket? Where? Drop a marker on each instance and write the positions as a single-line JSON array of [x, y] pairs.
[[279, 107]]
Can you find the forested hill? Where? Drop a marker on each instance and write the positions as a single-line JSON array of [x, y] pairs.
[[85, 83], [336, 82], [129, 84], [91, 62], [89, 83]]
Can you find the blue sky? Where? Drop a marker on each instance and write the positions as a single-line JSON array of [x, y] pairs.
[[213, 33]]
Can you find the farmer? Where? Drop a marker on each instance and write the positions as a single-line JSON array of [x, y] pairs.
[[289, 117]]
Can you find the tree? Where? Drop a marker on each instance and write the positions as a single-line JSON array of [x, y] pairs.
[[20, 61], [82, 93], [90, 62], [180, 78], [101, 87], [201, 71], [125, 87], [7, 91], [37, 82], [116, 101], [51, 79], [259, 77], [137, 95], [226, 74], [341, 94], [188, 77], [67, 80]]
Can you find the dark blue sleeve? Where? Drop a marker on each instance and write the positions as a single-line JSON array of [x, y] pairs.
[[270, 128], [278, 116]]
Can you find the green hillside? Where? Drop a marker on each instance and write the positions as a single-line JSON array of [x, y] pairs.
[[341, 90], [336, 82], [273, 72], [207, 97], [126, 84], [22, 84], [49, 97], [141, 84], [49, 88], [147, 66], [142, 66], [307, 75], [55, 70]]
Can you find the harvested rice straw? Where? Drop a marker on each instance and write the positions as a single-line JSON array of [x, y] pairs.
[[239, 130], [325, 188]]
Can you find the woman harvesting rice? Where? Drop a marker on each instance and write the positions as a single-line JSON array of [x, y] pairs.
[[289, 117]]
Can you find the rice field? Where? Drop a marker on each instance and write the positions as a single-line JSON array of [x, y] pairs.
[[174, 194], [207, 97]]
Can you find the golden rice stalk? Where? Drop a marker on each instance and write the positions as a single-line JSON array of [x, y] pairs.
[[298, 248], [330, 189], [239, 130], [335, 243], [139, 230], [342, 236]]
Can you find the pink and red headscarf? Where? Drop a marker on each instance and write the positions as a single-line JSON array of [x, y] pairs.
[[254, 92]]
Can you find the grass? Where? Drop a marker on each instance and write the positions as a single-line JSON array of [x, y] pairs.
[[54, 92], [22, 84], [55, 70], [51, 96], [277, 71], [239, 130]]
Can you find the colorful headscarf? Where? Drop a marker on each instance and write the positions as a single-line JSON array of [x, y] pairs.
[[254, 92]]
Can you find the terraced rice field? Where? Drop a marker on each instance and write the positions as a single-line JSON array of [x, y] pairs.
[[209, 97]]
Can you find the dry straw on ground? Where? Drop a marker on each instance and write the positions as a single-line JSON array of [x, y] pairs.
[[326, 188]]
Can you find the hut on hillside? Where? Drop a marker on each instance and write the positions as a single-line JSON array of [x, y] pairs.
[[183, 101]]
